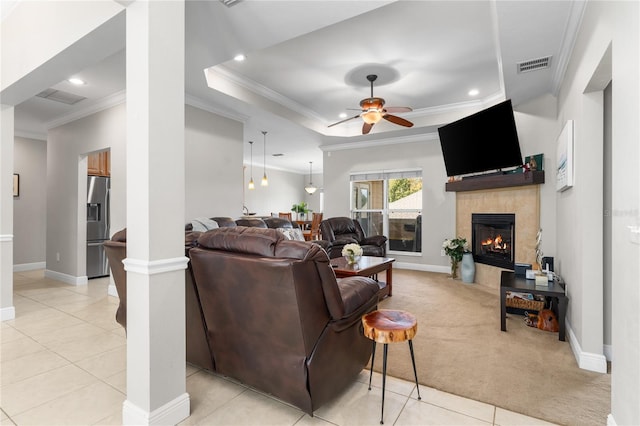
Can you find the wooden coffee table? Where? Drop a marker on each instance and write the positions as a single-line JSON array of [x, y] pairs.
[[367, 266]]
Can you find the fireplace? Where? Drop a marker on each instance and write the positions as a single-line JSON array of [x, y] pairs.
[[493, 239]]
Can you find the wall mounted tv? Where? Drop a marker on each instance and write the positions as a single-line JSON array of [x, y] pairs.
[[486, 140]]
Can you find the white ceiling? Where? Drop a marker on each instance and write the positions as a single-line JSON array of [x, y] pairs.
[[307, 62]]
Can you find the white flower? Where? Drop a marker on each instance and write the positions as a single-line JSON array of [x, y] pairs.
[[352, 249], [446, 243]]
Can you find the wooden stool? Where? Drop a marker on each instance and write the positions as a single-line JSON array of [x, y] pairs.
[[388, 326]]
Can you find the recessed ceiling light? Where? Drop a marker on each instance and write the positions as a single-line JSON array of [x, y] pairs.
[[343, 115], [76, 81], [474, 92], [239, 57]]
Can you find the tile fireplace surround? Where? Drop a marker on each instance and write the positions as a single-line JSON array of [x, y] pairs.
[[524, 201]]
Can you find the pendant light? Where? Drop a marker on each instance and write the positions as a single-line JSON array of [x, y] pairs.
[[310, 188], [251, 185], [264, 182]]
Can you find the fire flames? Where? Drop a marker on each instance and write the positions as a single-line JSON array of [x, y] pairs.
[[494, 244]]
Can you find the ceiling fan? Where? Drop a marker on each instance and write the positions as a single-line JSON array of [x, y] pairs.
[[373, 110]]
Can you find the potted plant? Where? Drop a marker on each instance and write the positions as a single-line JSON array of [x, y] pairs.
[[300, 209], [455, 248]]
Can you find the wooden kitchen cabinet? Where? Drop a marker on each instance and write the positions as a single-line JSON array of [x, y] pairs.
[[99, 164]]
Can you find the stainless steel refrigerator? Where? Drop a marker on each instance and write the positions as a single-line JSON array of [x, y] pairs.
[[98, 192]]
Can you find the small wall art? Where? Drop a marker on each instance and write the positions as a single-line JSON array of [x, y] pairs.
[[16, 185], [564, 165]]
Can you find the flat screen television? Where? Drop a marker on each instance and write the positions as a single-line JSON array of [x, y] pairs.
[[484, 141]]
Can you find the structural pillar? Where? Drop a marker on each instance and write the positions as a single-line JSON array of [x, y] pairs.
[[7, 310], [155, 263]]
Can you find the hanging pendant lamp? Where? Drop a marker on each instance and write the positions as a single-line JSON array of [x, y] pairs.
[[264, 182], [251, 185], [310, 188]]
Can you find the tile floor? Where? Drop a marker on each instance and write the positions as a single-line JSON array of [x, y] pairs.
[[63, 361]]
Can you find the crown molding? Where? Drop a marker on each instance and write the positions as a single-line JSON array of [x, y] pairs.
[[207, 106], [568, 42], [100, 105], [272, 95], [442, 109], [30, 135], [380, 142]]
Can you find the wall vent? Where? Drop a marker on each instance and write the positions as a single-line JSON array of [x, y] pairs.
[[60, 96], [534, 64], [230, 3]]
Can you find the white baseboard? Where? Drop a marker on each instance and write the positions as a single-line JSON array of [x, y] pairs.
[[7, 313], [170, 413], [611, 421], [586, 360], [608, 352], [65, 278], [29, 266], [421, 267]]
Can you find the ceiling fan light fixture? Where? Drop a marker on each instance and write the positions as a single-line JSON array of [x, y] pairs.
[[371, 116]]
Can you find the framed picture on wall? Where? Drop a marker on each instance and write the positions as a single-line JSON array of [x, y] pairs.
[[564, 165], [16, 185]]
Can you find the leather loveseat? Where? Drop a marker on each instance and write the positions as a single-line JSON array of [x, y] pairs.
[[268, 311], [339, 231], [276, 316]]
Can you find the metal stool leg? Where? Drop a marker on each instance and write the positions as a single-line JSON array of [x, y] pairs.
[[415, 373], [384, 378], [373, 358]]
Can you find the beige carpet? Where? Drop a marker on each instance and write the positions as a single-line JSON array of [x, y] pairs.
[[460, 349]]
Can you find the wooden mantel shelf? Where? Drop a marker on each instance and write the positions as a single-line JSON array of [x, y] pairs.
[[474, 183]]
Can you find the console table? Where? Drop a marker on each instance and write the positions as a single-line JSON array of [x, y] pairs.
[[510, 282]]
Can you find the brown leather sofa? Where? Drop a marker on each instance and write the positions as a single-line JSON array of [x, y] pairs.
[[276, 316], [339, 231], [269, 312]]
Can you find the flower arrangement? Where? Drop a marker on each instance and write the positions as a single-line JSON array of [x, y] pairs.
[[455, 248], [352, 252]]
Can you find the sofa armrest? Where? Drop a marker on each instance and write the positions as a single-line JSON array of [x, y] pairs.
[[374, 240], [359, 295]]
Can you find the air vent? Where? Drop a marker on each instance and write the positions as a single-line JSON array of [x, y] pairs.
[[230, 3], [534, 64], [60, 96]]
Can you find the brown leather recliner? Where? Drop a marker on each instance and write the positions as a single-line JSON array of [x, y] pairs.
[[276, 316], [339, 231]]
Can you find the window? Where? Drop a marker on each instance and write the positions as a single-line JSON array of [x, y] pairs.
[[390, 203]]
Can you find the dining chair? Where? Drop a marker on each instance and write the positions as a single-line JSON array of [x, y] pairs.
[[314, 232], [285, 215]]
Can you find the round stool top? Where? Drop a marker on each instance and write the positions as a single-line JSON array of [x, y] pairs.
[[388, 326]]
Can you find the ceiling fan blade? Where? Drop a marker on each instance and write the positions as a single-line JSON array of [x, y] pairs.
[[397, 120], [397, 109], [366, 128], [342, 121]]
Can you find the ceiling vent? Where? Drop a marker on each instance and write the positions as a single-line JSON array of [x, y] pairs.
[[534, 64], [60, 96], [230, 3]]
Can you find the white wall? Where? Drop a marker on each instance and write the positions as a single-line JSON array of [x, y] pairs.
[[284, 190], [29, 209], [438, 215], [213, 155], [605, 24], [213, 158]]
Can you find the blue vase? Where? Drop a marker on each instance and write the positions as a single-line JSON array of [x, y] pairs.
[[468, 268]]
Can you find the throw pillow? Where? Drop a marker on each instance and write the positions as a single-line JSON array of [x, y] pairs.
[[203, 224], [292, 233]]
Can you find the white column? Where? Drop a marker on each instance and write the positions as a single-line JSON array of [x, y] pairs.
[[156, 382], [7, 310]]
